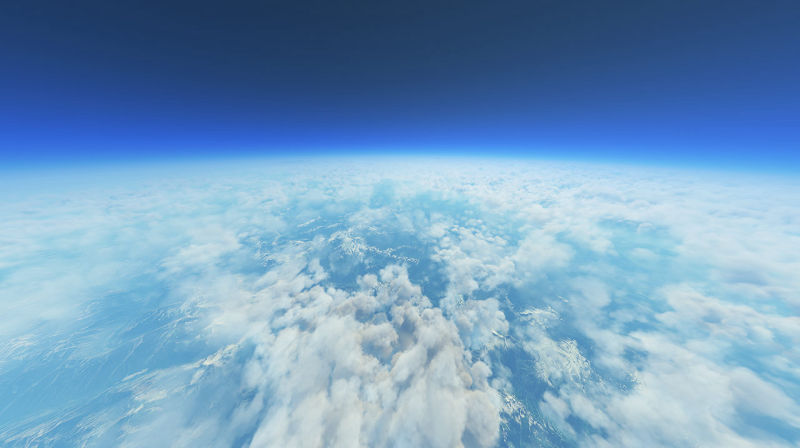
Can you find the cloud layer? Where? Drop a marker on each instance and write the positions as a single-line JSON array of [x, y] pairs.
[[402, 303]]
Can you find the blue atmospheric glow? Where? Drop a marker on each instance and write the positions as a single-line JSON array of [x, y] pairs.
[[711, 83]]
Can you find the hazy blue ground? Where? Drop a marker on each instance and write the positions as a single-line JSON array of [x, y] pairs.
[[380, 302]]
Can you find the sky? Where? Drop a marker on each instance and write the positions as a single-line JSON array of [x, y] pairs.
[[712, 82]]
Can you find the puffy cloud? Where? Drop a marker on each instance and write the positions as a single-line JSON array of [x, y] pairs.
[[376, 367]]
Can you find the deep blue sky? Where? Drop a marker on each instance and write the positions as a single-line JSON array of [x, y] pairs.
[[711, 81]]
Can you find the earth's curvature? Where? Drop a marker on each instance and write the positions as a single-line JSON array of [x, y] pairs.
[[402, 303]]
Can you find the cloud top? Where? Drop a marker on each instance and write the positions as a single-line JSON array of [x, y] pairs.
[[420, 303]]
